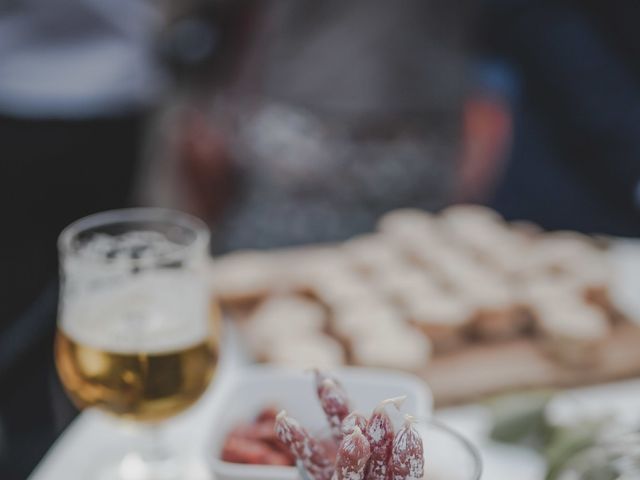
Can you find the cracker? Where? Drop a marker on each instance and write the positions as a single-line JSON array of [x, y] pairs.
[[401, 348]]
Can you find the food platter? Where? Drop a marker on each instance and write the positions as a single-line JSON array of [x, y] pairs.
[[472, 304]]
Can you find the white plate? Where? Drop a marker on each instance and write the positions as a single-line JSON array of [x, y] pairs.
[[253, 388]]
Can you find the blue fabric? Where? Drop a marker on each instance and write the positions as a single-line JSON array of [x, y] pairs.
[[576, 156]]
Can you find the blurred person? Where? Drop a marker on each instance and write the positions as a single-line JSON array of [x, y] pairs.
[[575, 162], [332, 114], [77, 81]]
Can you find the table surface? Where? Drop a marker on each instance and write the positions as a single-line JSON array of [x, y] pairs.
[[93, 436]]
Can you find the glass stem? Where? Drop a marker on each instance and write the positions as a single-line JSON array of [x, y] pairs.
[[153, 448], [152, 459]]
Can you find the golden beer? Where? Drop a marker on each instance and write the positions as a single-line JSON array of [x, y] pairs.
[[137, 334], [143, 350], [139, 386]]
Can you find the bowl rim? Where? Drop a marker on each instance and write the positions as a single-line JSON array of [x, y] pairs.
[[260, 371], [471, 448]]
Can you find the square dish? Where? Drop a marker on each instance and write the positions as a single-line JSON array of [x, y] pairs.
[[252, 388]]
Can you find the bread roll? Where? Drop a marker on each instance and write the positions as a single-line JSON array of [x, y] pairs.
[[319, 351], [336, 288], [408, 224], [245, 276], [443, 318], [280, 317], [498, 314], [399, 284], [357, 320], [573, 331], [401, 348], [373, 253]]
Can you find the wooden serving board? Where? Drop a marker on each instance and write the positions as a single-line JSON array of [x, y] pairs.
[[482, 368], [486, 369]]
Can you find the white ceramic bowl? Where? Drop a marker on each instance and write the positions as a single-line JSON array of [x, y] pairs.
[[448, 455], [253, 388]]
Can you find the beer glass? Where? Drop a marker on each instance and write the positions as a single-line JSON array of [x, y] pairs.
[[448, 455], [136, 337]]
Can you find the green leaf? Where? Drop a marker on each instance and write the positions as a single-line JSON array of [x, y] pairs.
[[601, 472], [566, 442], [520, 418]]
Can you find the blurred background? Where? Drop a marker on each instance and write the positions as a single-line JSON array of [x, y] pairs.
[[286, 122]]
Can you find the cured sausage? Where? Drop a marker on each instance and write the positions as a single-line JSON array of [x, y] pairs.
[[352, 457], [407, 453], [304, 447]]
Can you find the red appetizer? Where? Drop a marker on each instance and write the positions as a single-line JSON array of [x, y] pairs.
[[256, 443], [368, 448]]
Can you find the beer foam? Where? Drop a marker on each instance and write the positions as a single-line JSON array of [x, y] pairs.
[[152, 312], [140, 245]]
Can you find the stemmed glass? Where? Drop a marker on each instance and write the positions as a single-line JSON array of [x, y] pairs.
[[448, 455], [136, 337]]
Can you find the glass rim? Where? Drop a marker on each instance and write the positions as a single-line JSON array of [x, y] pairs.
[[133, 215], [470, 447]]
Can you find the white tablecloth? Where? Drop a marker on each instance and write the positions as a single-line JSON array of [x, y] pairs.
[[92, 437]]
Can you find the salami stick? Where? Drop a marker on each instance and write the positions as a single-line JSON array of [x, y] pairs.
[[352, 457], [335, 403], [380, 434], [321, 376], [354, 419], [304, 447], [407, 453]]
